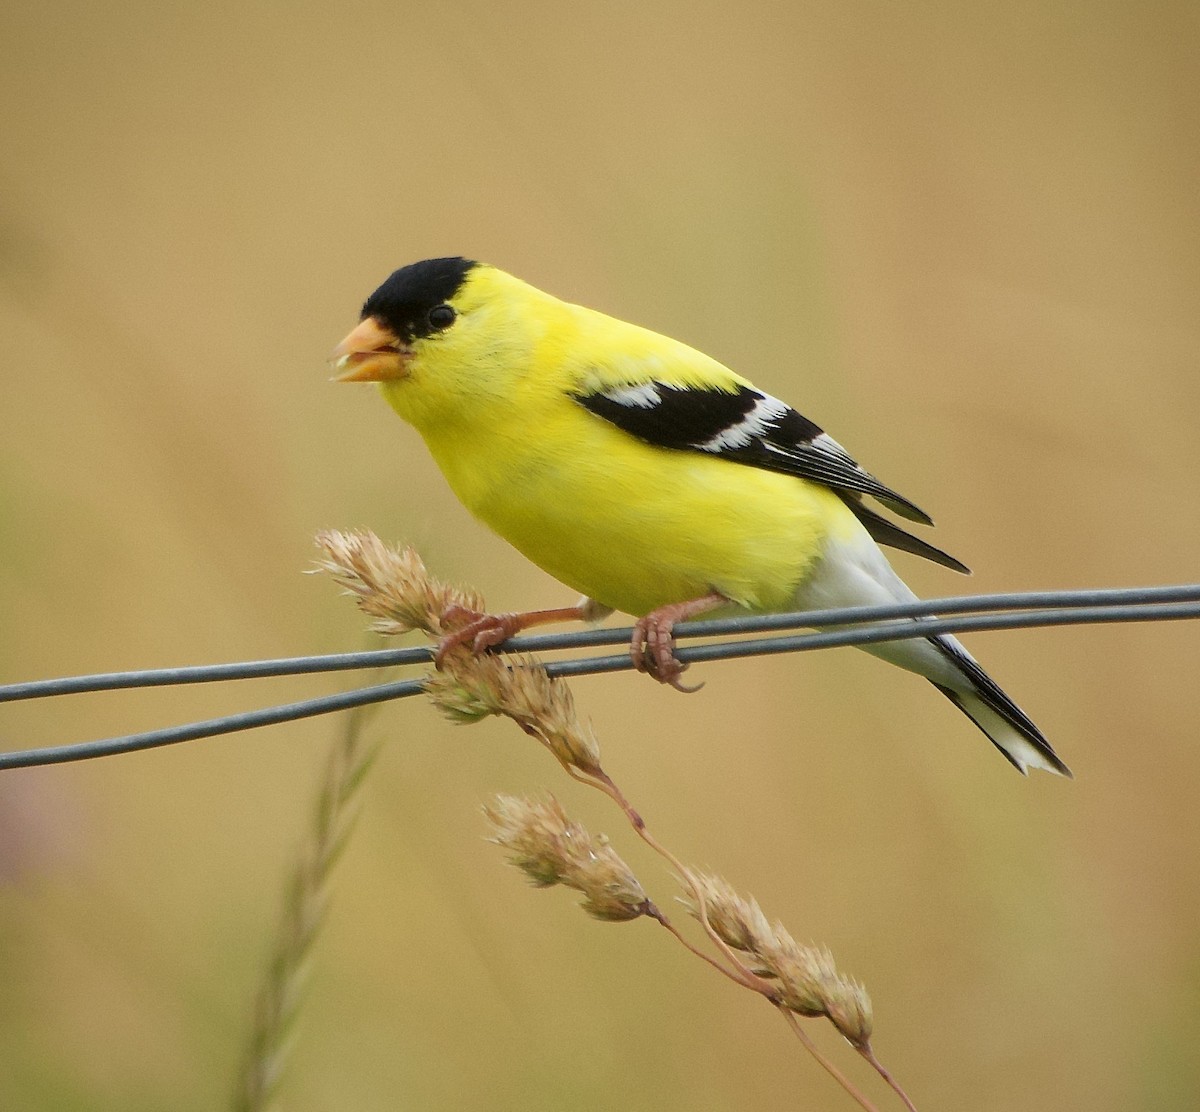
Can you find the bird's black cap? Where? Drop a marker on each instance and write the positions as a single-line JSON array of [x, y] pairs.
[[404, 300]]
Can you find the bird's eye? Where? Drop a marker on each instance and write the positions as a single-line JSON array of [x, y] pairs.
[[440, 316]]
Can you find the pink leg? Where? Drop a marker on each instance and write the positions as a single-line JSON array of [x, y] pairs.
[[483, 631], [653, 646]]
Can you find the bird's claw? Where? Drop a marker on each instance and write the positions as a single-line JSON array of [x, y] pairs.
[[481, 631], [652, 651]]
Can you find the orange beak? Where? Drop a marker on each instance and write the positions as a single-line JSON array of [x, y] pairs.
[[371, 353]]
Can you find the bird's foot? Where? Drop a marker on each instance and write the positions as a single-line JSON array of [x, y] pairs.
[[480, 631], [652, 648], [652, 651], [485, 631]]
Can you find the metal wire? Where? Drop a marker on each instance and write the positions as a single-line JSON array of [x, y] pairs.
[[871, 625], [750, 623]]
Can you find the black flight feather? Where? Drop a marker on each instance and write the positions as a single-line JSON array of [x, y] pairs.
[[886, 532], [744, 425]]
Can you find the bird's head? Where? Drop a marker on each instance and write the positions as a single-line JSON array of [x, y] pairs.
[[444, 338], [415, 310]]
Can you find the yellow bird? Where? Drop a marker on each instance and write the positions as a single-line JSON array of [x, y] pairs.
[[645, 475]]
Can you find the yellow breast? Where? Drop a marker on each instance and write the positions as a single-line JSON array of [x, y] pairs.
[[636, 527]]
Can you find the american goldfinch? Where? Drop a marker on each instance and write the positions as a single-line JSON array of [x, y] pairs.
[[645, 475]]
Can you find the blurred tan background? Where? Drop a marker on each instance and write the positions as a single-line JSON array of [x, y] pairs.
[[964, 239]]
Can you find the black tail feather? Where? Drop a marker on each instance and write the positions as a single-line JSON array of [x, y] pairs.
[[995, 699]]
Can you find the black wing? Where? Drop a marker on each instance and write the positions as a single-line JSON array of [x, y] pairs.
[[747, 426], [888, 532], [743, 425]]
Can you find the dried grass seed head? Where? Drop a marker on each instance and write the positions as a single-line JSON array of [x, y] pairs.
[[391, 585], [806, 977], [738, 921], [850, 1012], [551, 849], [810, 984], [471, 687]]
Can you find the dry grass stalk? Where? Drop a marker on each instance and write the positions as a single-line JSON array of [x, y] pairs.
[[305, 904], [394, 587]]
